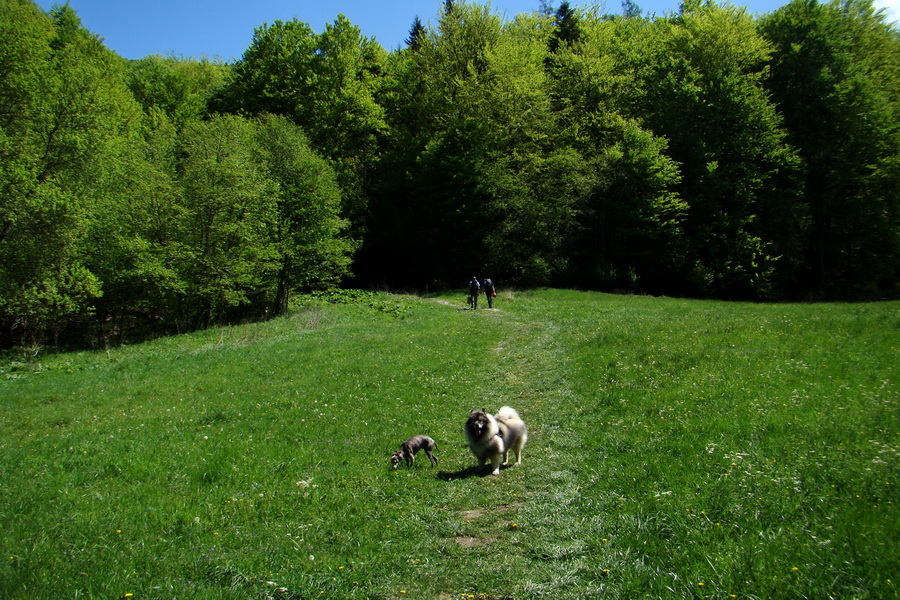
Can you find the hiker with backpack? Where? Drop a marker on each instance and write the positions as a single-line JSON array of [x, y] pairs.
[[489, 291], [474, 290]]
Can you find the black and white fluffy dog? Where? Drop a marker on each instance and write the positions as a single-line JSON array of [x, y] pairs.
[[492, 437]]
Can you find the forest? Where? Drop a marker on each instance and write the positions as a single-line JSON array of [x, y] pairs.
[[707, 153]]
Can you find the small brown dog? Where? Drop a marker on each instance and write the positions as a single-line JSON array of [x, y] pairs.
[[409, 448]]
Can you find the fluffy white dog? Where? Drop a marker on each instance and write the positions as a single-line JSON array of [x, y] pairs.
[[492, 437]]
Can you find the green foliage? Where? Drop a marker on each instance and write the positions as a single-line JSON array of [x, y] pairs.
[[66, 108], [325, 83], [310, 238], [704, 153], [230, 210], [700, 75], [749, 448], [567, 31], [114, 219], [834, 72], [133, 240], [416, 33], [629, 221], [391, 304], [483, 186], [271, 76], [181, 88]]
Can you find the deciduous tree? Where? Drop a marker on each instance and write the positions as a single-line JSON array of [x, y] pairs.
[[311, 238], [835, 74], [701, 78], [231, 213], [65, 108]]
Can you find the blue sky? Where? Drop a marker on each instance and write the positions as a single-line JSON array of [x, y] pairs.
[[223, 29]]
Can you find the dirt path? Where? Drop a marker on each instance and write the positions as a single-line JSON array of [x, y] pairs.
[[448, 303]]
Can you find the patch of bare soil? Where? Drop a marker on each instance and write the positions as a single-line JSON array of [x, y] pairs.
[[471, 515], [469, 541], [476, 514]]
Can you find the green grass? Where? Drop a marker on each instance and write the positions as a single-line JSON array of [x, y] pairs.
[[678, 449]]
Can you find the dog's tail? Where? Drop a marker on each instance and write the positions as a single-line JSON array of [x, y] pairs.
[[507, 413]]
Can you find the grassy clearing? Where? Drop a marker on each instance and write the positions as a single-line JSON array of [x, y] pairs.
[[679, 449]]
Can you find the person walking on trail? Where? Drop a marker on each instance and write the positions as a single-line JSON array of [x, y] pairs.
[[474, 290], [489, 291]]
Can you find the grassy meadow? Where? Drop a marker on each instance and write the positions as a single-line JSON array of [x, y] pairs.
[[678, 449]]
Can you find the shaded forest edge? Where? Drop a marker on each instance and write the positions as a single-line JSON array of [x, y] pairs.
[[705, 153]]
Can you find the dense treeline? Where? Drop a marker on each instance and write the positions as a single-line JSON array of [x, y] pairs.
[[704, 153]]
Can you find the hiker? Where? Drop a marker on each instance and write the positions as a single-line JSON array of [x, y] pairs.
[[474, 290], [489, 291]]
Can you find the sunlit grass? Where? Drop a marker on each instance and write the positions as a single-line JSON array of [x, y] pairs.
[[678, 449]]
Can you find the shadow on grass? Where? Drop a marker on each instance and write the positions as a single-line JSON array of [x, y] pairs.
[[466, 473]]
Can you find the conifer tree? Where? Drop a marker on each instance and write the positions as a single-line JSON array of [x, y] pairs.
[[630, 9], [416, 33], [568, 31]]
